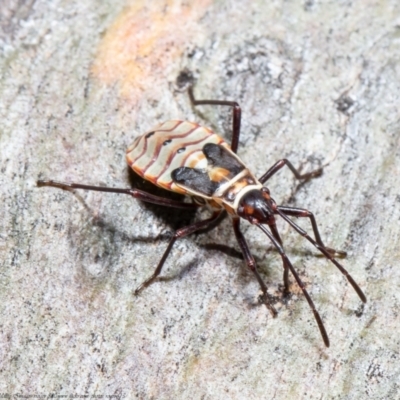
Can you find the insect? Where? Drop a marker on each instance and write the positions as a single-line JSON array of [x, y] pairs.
[[192, 160]]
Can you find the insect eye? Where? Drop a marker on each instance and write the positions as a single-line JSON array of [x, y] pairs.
[[181, 149], [167, 142]]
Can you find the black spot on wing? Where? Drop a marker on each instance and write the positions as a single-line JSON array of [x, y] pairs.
[[194, 179], [219, 157]]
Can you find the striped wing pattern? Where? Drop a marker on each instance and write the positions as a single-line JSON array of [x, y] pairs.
[[171, 145]]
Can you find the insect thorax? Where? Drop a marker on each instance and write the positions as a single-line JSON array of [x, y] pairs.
[[222, 180], [230, 194]]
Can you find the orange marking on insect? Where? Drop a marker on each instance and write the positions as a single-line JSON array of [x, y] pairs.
[[214, 204], [195, 159], [230, 210], [249, 209], [219, 174]]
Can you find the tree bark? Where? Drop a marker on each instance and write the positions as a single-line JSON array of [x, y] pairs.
[[318, 83]]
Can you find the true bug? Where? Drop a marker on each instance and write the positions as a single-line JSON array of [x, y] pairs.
[[189, 159]]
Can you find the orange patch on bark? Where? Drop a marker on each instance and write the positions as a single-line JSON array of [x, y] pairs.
[[144, 42]]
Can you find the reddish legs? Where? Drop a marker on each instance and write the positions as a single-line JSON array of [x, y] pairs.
[[292, 211], [237, 112], [303, 213], [180, 233], [288, 264], [320, 246], [147, 197], [136, 193], [281, 163], [252, 264]]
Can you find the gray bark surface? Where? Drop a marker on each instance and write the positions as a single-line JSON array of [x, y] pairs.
[[319, 84]]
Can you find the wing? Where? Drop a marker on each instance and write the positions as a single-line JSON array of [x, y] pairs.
[[222, 166], [195, 180], [181, 144]]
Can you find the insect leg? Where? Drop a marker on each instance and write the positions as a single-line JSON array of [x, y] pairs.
[[237, 112], [327, 254], [276, 235], [136, 193], [287, 262], [281, 163], [251, 263], [180, 233], [301, 212]]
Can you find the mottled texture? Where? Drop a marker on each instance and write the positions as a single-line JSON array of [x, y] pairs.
[[319, 83]]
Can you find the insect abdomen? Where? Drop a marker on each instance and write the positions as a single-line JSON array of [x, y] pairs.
[[171, 145]]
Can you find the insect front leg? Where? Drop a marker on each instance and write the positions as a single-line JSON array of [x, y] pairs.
[[276, 235], [303, 213], [237, 113], [251, 263], [281, 163], [288, 264], [136, 193], [326, 253], [180, 233]]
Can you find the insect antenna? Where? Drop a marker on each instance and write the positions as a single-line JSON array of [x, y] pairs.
[[288, 264], [326, 253]]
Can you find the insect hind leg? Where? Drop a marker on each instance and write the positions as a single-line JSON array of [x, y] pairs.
[[136, 193], [236, 117], [180, 233]]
